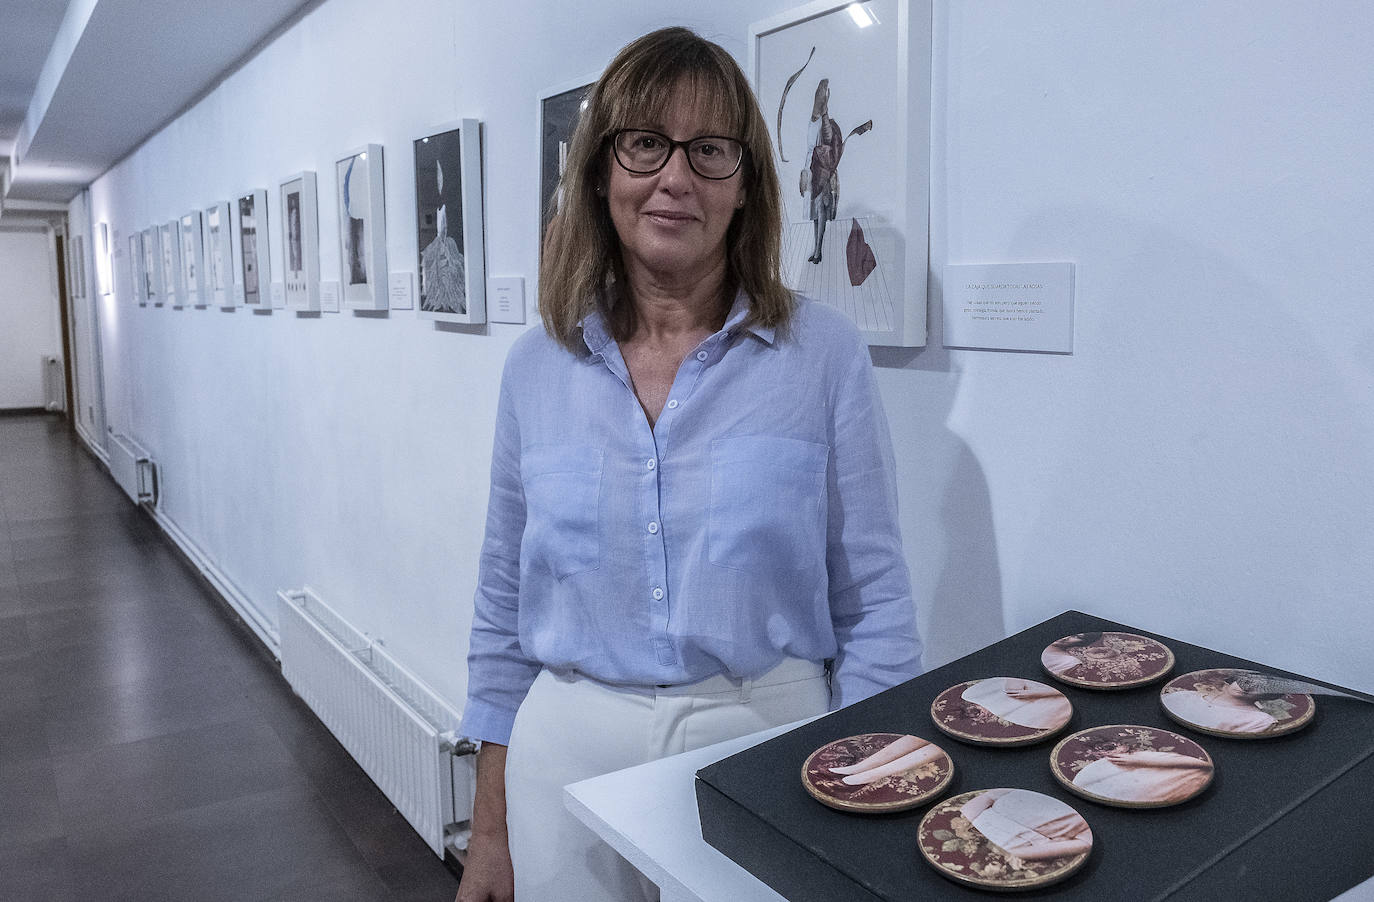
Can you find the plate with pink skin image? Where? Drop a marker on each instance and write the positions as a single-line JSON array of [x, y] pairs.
[[876, 773], [1131, 766], [1107, 660], [1237, 704], [1004, 839], [1001, 711]]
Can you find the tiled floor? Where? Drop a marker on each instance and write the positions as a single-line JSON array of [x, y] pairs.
[[149, 747]]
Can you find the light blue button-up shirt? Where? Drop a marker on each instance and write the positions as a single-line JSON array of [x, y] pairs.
[[756, 520]]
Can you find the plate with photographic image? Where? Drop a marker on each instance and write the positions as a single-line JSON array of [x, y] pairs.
[[877, 772], [1107, 660], [1132, 766], [1005, 839], [1001, 711], [1238, 703]]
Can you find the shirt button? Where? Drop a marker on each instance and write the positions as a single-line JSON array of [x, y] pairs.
[[672, 405], [658, 594], [651, 463], [701, 355], [653, 528]]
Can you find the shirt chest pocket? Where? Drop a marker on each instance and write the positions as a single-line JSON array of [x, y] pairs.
[[562, 493], [767, 503]]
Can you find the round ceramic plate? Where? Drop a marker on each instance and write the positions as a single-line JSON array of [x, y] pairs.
[[1210, 701], [1001, 711], [877, 772], [1107, 660], [1131, 766], [1006, 839]]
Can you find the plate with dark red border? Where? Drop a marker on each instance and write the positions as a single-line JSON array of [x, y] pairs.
[[1132, 766], [1213, 702], [1004, 839], [1001, 711], [1107, 660], [877, 772]]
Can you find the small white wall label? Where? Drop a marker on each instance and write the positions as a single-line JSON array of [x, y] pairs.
[[506, 299], [1009, 307]]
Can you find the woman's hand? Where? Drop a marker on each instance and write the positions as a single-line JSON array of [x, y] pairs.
[[488, 875], [1025, 692], [1147, 758]]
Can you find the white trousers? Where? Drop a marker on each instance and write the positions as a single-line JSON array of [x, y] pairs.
[[571, 728]]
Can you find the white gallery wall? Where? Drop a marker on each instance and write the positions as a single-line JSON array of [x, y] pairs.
[[29, 317], [1198, 466]]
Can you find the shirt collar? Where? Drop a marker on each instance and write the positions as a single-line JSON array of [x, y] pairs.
[[596, 335]]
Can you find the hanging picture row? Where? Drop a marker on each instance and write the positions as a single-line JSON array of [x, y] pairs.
[[220, 255]]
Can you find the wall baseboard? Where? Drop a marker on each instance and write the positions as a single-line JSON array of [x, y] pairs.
[[25, 411]]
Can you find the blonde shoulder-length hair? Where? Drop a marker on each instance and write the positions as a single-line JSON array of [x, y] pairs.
[[582, 268]]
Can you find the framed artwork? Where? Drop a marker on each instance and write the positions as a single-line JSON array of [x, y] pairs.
[[172, 283], [845, 89], [192, 260], [152, 265], [300, 237], [255, 265], [78, 267], [137, 281], [362, 229], [219, 257], [559, 110], [104, 259], [448, 224]]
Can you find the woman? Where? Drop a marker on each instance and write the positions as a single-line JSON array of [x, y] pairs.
[[692, 504], [1025, 703], [1228, 706], [1028, 825]]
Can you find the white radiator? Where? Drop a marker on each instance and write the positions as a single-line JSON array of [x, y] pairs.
[[402, 734], [133, 469], [54, 385]]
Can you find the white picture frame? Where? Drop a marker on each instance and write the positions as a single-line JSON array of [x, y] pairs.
[[254, 271], [104, 260], [856, 222], [193, 259], [78, 267], [360, 192], [152, 266], [171, 264], [449, 234], [137, 280], [299, 208], [218, 229]]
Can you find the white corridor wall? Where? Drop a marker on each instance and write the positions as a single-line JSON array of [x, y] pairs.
[[1198, 466]]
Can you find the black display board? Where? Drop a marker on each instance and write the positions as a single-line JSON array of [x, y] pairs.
[[1287, 818]]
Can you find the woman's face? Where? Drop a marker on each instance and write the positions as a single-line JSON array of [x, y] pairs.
[[672, 223]]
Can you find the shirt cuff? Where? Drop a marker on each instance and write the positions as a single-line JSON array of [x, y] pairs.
[[486, 722]]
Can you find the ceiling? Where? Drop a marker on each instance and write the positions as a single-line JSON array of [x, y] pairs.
[[85, 82]]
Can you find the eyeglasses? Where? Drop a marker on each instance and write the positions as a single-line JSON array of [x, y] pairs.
[[644, 152]]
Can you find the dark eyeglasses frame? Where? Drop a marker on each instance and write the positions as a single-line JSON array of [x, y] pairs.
[[614, 137]]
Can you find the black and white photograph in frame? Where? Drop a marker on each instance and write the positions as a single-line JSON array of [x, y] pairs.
[[359, 177], [219, 255], [172, 282], [560, 108], [136, 278], [448, 224], [192, 260], [152, 265], [300, 235], [78, 267], [255, 268], [104, 259], [845, 91]]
